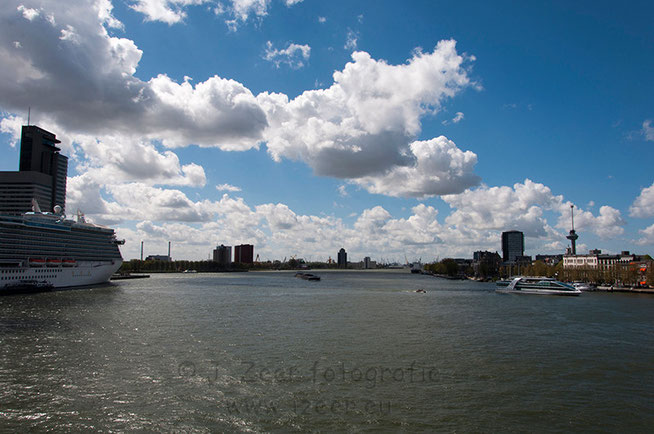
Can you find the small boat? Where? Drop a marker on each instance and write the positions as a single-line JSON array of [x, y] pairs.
[[190, 271], [307, 276], [421, 291], [581, 286], [536, 285]]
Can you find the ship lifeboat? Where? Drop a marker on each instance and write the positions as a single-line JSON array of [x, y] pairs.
[[68, 262], [53, 262], [36, 262]]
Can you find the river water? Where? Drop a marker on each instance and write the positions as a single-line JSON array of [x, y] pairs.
[[357, 351]]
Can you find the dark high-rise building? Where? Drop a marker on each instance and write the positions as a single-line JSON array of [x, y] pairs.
[[41, 175], [513, 245], [223, 255], [244, 254], [342, 258]]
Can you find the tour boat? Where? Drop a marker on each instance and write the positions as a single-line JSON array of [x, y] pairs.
[[307, 276], [536, 285]]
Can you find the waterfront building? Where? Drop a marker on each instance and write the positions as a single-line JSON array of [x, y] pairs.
[[550, 259], [366, 264], [596, 260], [625, 266], [580, 261], [162, 258], [244, 254], [342, 258], [463, 263], [523, 260], [223, 254], [513, 246], [486, 263], [41, 175]]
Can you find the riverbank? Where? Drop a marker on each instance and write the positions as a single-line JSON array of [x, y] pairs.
[[129, 276], [625, 289]]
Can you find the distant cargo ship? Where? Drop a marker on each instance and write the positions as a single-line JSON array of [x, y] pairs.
[[45, 250]]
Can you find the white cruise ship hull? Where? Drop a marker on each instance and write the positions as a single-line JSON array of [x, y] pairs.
[[83, 273]]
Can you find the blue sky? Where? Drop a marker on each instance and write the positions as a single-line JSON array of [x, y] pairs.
[[388, 128]]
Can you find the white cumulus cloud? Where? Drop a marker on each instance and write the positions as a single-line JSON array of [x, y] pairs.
[[294, 55], [363, 125], [607, 224], [351, 40], [501, 208], [643, 206], [227, 187], [28, 13], [90, 87], [167, 11], [647, 236], [439, 168], [523, 207], [648, 130]]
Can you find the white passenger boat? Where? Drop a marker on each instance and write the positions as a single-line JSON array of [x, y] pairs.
[[582, 286], [536, 285]]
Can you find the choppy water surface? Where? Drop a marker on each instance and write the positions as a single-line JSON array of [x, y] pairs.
[[357, 351]]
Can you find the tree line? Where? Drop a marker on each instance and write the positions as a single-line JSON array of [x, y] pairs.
[[620, 274]]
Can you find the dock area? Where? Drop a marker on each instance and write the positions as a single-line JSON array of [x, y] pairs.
[[129, 276], [626, 289]]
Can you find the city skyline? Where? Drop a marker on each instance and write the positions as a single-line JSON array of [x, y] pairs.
[[300, 127]]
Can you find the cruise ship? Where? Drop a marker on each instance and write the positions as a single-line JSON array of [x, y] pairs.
[[45, 250], [41, 250]]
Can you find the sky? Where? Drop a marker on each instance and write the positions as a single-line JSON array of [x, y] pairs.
[[402, 131]]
